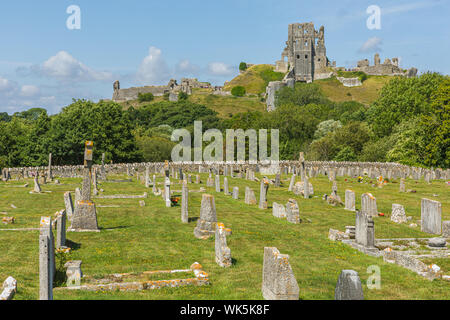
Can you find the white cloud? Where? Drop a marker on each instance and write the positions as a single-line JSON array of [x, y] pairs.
[[6, 85], [186, 67], [409, 7], [153, 69], [29, 91], [371, 45], [220, 69], [64, 67]]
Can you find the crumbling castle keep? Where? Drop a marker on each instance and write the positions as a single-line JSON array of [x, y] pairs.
[[305, 52]]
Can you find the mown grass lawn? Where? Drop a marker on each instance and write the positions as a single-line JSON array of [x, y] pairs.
[[136, 239]]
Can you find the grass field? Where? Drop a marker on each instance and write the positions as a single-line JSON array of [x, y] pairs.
[[365, 94], [136, 239]]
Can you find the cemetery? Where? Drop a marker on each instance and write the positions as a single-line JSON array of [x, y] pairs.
[[298, 230]]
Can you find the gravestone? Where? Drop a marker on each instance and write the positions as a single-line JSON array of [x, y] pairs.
[[225, 186], [398, 214], [68, 204], [369, 204], [402, 185], [302, 166], [9, 289], [446, 229], [236, 193], [249, 196], [197, 179], [206, 223], [217, 183], [223, 253], [350, 200], [166, 192], [102, 169], [61, 229], [147, 177], [37, 187], [154, 184], [364, 230], [278, 210], [292, 183], [94, 181], [431, 216], [348, 286], [306, 187], [292, 211], [47, 267], [73, 273], [264, 187], [277, 180], [278, 282], [85, 216], [184, 203]]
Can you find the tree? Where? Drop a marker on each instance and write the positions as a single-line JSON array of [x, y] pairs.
[[238, 91], [242, 66], [326, 127], [400, 99]]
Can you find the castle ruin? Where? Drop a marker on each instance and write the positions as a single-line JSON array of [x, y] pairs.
[[388, 67], [305, 55], [172, 87]]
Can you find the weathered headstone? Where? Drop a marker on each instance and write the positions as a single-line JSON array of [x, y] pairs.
[[278, 210], [85, 215], [49, 169], [350, 200], [292, 183], [402, 185], [446, 229], [364, 230], [305, 186], [264, 187], [185, 203], [292, 211], [223, 253], [147, 177], [431, 216], [9, 288], [249, 196], [225, 186], [236, 193], [73, 273], [47, 265], [61, 229], [217, 183], [206, 223], [68, 204], [37, 187], [279, 282], [398, 214], [348, 286], [369, 204]]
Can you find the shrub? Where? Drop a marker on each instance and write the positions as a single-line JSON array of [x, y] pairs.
[[145, 97], [242, 66], [182, 96], [238, 91]]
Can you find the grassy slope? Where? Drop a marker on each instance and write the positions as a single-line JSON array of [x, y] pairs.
[[137, 238], [251, 79], [365, 94]]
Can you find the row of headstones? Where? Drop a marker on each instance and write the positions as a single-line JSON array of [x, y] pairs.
[[431, 211], [373, 170]]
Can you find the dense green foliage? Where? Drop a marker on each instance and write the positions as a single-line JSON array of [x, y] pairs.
[[145, 97], [238, 91], [242, 66], [409, 123]]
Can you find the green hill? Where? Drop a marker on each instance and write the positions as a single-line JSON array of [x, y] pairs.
[[255, 79]]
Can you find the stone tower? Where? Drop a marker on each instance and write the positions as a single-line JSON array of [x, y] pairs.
[[305, 51]]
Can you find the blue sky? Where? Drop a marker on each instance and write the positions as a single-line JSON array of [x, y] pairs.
[[44, 64]]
